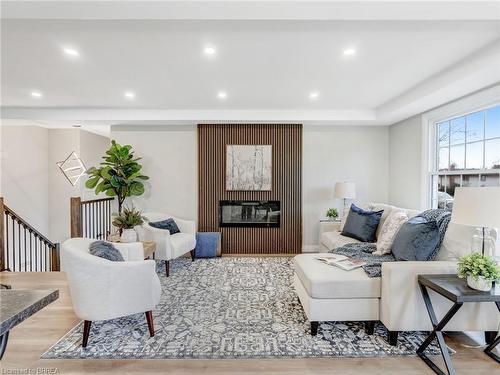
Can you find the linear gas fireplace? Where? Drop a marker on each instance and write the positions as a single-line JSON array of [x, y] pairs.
[[249, 214]]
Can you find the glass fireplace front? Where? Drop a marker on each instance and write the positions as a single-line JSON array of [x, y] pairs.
[[250, 214]]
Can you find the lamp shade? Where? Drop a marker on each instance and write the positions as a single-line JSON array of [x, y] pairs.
[[477, 207], [345, 190]]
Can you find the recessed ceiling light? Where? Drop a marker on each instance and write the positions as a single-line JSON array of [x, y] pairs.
[[222, 95], [209, 51], [36, 94], [71, 52], [349, 51], [129, 94], [314, 95]]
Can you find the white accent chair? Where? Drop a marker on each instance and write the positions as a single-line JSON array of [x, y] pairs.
[[169, 246], [102, 289], [332, 294]]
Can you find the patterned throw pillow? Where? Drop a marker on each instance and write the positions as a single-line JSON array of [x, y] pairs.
[[168, 224], [105, 250], [389, 229]]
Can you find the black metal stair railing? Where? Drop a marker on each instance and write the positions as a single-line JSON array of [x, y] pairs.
[[91, 218], [22, 247]]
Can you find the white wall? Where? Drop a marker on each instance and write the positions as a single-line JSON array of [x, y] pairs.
[[405, 163], [24, 170], [32, 183], [169, 158], [331, 154]]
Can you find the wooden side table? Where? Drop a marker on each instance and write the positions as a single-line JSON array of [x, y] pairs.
[[149, 249], [456, 290]]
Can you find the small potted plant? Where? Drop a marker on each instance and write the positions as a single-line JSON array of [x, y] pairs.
[[480, 271], [126, 221], [332, 213]]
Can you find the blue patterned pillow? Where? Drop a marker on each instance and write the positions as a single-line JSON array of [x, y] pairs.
[[105, 250], [168, 224], [362, 225], [417, 239]]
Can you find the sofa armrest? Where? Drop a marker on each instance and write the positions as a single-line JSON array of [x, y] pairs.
[[402, 307], [186, 226], [162, 239]]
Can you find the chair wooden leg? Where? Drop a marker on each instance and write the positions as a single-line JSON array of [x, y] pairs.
[[167, 267], [370, 327], [86, 332], [314, 328], [193, 255], [149, 318], [490, 336], [392, 337]]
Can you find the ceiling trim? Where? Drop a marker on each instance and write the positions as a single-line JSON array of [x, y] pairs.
[[252, 10]]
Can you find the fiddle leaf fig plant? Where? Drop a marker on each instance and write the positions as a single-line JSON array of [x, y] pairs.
[[119, 175]]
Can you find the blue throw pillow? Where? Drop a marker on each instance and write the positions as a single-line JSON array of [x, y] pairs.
[[417, 239], [168, 224], [362, 225], [105, 250]]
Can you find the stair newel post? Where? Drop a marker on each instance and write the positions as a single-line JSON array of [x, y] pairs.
[[2, 239], [76, 217], [55, 264]]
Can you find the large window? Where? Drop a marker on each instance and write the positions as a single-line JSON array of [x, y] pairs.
[[467, 154]]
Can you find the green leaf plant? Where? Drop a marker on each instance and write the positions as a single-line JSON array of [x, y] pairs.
[[477, 265], [119, 175], [128, 219]]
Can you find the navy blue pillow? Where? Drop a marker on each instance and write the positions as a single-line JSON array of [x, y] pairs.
[[105, 250], [362, 225], [168, 224], [417, 239]]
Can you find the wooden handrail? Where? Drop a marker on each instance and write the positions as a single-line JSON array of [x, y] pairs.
[[97, 200], [40, 253], [28, 226], [91, 218]]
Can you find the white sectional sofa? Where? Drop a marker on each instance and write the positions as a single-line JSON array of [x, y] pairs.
[[332, 294]]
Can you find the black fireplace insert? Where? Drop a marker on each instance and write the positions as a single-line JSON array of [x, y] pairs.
[[249, 214]]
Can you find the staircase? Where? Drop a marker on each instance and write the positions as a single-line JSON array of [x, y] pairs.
[[22, 247]]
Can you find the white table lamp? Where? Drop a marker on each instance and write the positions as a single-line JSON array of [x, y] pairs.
[[345, 190], [478, 207]]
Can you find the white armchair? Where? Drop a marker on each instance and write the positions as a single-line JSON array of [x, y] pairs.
[[101, 289], [169, 246]]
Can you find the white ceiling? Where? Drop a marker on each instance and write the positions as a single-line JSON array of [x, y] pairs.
[[267, 67]]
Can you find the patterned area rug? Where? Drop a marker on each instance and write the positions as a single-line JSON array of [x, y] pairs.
[[229, 308]]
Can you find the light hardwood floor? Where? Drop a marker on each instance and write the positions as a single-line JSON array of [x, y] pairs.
[[34, 336]]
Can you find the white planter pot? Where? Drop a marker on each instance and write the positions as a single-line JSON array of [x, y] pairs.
[[128, 235], [479, 284]]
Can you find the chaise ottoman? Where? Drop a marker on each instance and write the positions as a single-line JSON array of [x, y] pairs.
[[331, 294]]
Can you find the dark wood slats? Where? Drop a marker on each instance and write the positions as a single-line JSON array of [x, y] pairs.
[[286, 185]]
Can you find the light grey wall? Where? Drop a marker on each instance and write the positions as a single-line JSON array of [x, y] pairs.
[[334, 154], [32, 183], [24, 170], [169, 158], [405, 163]]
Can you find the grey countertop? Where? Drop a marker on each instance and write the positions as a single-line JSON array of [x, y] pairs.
[[17, 305]]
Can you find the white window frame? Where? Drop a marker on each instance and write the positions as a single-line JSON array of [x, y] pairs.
[[476, 102]]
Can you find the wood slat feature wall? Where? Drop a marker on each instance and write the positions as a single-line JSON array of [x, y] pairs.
[[286, 185]]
